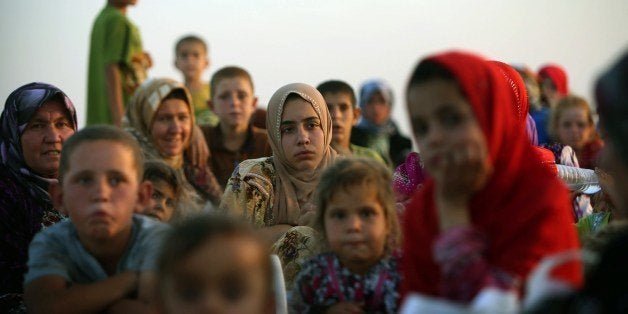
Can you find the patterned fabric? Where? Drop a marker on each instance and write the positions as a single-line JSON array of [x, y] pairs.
[[25, 205], [138, 121], [114, 40], [408, 177], [323, 282], [521, 223]]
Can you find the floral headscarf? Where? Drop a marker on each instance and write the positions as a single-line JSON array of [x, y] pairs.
[[19, 108], [295, 187]]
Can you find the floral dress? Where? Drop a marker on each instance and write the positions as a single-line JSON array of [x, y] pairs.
[[323, 282]]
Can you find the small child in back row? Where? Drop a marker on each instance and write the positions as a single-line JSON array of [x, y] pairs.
[[213, 264], [358, 220], [167, 191], [102, 258]]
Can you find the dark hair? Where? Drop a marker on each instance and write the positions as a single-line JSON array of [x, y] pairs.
[[187, 236], [189, 39], [177, 93], [158, 170], [354, 171], [227, 73], [95, 133], [337, 86], [429, 70]]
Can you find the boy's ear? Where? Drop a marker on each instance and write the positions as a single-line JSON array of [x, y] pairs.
[[144, 191], [56, 195], [357, 112], [254, 102], [208, 63], [210, 104], [176, 63]]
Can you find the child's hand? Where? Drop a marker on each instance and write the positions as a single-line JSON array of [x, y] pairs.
[[344, 307]]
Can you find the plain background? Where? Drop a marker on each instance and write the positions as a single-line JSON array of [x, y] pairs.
[[281, 41]]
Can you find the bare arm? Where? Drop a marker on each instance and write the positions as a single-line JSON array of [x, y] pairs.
[[51, 294], [113, 82]]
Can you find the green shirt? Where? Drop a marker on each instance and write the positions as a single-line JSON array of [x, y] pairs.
[[203, 115], [114, 39], [360, 151]]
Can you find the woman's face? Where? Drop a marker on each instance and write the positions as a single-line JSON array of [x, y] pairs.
[[302, 138], [574, 128], [43, 138], [171, 127], [443, 123]]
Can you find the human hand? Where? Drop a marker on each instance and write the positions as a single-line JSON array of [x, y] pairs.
[[344, 307], [198, 153]]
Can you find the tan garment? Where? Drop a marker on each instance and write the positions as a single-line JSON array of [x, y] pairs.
[[294, 188]]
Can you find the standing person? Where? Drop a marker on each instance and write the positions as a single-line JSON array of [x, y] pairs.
[[117, 64], [357, 273], [376, 129], [344, 112], [192, 59], [36, 120], [276, 194], [160, 117], [103, 258], [481, 214], [234, 139]]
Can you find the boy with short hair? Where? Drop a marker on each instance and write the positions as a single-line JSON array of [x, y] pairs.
[[234, 139], [102, 258], [341, 103], [192, 59]]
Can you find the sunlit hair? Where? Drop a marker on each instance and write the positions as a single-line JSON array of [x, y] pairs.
[[189, 39], [355, 171], [186, 237], [563, 105], [337, 87], [228, 73], [95, 133]]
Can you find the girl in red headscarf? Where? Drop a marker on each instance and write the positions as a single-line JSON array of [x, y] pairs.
[[490, 210]]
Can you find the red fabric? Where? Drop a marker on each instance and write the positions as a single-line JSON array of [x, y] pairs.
[[518, 88], [557, 75], [524, 210]]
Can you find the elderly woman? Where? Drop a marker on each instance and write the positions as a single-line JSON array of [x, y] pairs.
[[160, 117], [36, 120], [275, 193]]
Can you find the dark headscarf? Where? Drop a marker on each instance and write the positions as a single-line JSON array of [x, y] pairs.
[[611, 93], [19, 108]]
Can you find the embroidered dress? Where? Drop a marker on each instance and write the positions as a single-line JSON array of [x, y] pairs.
[[323, 282]]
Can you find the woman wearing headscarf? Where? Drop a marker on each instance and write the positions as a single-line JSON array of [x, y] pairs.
[[554, 84], [275, 193], [36, 120], [490, 209], [160, 116]]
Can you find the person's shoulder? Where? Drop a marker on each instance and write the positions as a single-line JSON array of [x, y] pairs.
[[60, 233]]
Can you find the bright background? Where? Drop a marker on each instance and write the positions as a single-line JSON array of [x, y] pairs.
[[285, 41]]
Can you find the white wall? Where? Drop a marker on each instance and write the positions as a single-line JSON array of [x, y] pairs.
[[284, 41]]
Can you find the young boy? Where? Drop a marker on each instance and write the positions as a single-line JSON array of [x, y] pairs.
[[167, 190], [102, 258], [234, 139], [191, 58], [341, 103], [117, 63]]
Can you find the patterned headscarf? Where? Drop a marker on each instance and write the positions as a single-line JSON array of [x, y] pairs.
[[557, 75], [19, 108], [611, 93], [295, 187], [141, 110]]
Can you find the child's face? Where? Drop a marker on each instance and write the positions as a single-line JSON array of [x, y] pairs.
[[573, 127], [302, 137], [343, 116], [443, 124], [100, 189], [224, 275], [377, 109], [355, 227], [172, 126], [233, 102], [162, 202], [191, 60], [43, 137]]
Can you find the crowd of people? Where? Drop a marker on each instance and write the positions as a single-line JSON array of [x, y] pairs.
[[175, 195]]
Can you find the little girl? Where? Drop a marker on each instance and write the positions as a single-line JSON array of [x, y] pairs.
[[211, 264], [358, 220]]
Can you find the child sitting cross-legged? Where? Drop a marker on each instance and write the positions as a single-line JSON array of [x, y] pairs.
[[358, 220], [102, 258]]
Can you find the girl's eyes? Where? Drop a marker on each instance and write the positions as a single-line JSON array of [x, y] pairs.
[[367, 212], [450, 119], [287, 129], [337, 214], [312, 125], [419, 127]]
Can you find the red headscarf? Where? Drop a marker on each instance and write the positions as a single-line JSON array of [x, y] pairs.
[[557, 75], [524, 210]]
